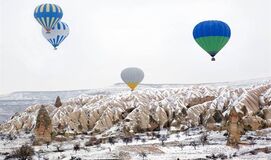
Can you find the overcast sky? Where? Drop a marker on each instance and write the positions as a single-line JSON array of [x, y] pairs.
[[108, 35]]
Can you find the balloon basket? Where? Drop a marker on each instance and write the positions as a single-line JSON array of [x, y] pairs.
[[213, 59]]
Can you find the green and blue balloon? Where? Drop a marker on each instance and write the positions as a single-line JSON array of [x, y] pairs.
[[212, 36]]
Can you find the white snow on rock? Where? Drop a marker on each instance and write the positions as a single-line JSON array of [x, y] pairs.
[[144, 109]]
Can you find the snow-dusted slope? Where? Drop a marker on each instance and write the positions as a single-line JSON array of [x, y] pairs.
[[144, 109], [19, 101]]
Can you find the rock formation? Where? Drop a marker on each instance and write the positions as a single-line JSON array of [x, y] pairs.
[[234, 128], [153, 109], [58, 102], [43, 128]]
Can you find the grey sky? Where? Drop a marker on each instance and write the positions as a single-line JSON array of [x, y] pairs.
[[109, 35]]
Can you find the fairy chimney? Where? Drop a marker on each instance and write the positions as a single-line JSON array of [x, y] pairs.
[[58, 102], [43, 128], [234, 128]]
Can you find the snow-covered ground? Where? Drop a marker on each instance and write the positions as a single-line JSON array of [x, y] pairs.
[[216, 144]]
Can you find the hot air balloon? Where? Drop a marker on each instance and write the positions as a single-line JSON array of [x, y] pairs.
[[57, 35], [132, 76], [48, 15], [212, 36]]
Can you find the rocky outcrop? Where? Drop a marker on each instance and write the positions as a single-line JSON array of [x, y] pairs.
[[43, 128], [234, 127], [251, 99], [252, 123], [58, 102], [151, 109], [267, 116]]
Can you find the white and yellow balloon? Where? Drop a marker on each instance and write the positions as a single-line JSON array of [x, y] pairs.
[[132, 76]]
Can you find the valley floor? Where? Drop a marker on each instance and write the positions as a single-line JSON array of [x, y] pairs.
[[174, 147]]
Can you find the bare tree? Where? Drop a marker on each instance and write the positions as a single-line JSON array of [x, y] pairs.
[[194, 144], [143, 154], [204, 139], [178, 136], [163, 139], [181, 145], [252, 141], [59, 148], [47, 144], [186, 132], [111, 140]]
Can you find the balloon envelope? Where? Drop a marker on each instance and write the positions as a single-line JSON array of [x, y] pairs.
[[58, 33], [212, 36], [132, 76], [48, 15]]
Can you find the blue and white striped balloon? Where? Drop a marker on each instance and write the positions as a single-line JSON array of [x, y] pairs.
[[48, 15], [57, 35]]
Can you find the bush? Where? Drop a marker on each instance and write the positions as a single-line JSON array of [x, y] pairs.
[[204, 139], [181, 145], [143, 140], [127, 140], [194, 144], [158, 135], [25, 152], [75, 158], [218, 156], [111, 140], [53, 134], [76, 147], [137, 137], [163, 139], [11, 137], [59, 148], [143, 155], [178, 136]]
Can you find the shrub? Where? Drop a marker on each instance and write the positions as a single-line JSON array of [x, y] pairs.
[[11, 137], [111, 140], [25, 152], [204, 139], [143, 155], [194, 144], [137, 137], [163, 139], [181, 145], [58, 148], [53, 134], [158, 135], [76, 147], [143, 140], [178, 136], [127, 140], [75, 158], [218, 156]]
